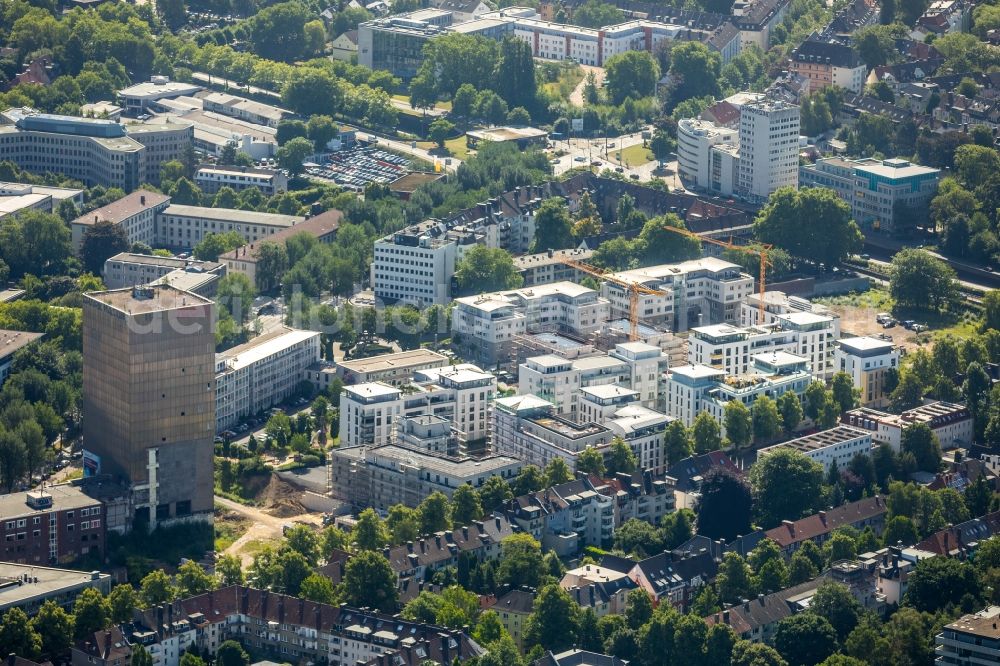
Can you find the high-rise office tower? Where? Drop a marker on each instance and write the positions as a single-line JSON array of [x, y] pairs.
[[769, 148], [149, 397]]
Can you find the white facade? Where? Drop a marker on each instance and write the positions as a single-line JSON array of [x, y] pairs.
[[461, 393], [867, 360], [837, 445], [261, 373], [212, 179], [951, 423], [769, 148], [696, 292], [417, 272], [126, 269], [643, 430], [135, 213], [527, 428], [185, 226], [687, 387], [695, 139]]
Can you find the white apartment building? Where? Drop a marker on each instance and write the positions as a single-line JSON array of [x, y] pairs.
[[260, 374], [599, 403], [814, 336], [643, 430], [484, 327], [778, 303], [634, 365], [773, 374], [184, 227], [213, 178], [135, 213], [460, 393], [695, 140], [769, 148], [867, 360], [951, 423], [701, 291], [126, 269], [838, 445], [696, 388]]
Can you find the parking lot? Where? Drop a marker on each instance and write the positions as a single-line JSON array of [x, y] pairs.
[[355, 168]]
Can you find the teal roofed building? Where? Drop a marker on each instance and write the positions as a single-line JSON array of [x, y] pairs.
[[877, 190]]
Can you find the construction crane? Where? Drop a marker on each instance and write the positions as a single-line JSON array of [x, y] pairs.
[[761, 251], [634, 289]]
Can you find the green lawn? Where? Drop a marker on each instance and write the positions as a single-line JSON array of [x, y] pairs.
[[569, 78], [452, 148], [633, 155], [444, 106]]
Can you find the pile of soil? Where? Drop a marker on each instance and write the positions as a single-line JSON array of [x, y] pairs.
[[281, 499]]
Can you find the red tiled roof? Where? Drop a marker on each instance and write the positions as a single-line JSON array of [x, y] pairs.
[[824, 522]]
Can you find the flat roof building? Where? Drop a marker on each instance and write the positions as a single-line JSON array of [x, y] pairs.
[[10, 343], [127, 269], [838, 445], [149, 389], [211, 179], [951, 423], [971, 639], [867, 360], [393, 369], [56, 525], [28, 586], [137, 98]]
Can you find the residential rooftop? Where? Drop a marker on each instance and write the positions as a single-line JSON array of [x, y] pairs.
[[386, 362], [124, 208], [44, 582], [16, 505], [11, 341], [824, 438], [233, 215]]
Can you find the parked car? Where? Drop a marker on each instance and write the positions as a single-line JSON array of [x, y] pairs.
[[909, 324]]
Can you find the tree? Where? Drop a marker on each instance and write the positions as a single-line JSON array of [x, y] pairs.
[[725, 507], [766, 420], [662, 144], [91, 612], [403, 523], [229, 569], [590, 461], [463, 101], [696, 68], [832, 236], [212, 245], [140, 656], [293, 154], [553, 226], [319, 588], [231, 653], [921, 441], [173, 12], [975, 164], [835, 602], [466, 506], [235, 293], [435, 513], [556, 472], [844, 392], [594, 14], [529, 480], [900, 529], [495, 493], [553, 620], [278, 31], [192, 580], [310, 91], [939, 581], [920, 280], [631, 74], [515, 74], [439, 131], [321, 130], [483, 269], [100, 242], [909, 392], [520, 561], [800, 569], [638, 608], [370, 581], [18, 636], [705, 433], [621, 458], [369, 533], [664, 246], [55, 628], [123, 601], [638, 536], [735, 579], [805, 638], [786, 484], [34, 242], [676, 442], [738, 423], [790, 408]]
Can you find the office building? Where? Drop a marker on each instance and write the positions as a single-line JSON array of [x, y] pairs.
[[127, 269], [214, 132], [836, 446], [381, 476], [484, 327], [971, 639], [415, 265], [149, 388], [827, 62], [259, 374], [29, 586], [135, 213], [322, 227], [952, 424], [867, 360], [695, 140], [213, 178], [394, 369], [10, 343], [55, 525], [243, 108], [94, 151], [460, 393], [185, 226], [396, 43], [522, 137], [874, 189], [137, 99], [769, 148], [694, 293], [162, 142], [16, 197]]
